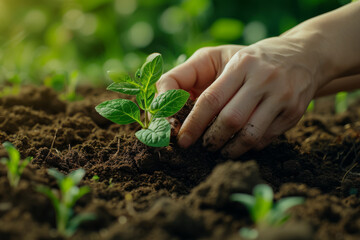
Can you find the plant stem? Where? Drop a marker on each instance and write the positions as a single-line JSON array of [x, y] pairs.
[[146, 119]]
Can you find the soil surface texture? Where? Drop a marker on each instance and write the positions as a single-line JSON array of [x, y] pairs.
[[172, 193]]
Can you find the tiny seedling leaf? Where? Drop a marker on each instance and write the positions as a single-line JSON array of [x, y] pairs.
[[264, 197], [143, 103], [248, 233], [56, 174], [124, 87], [14, 154], [77, 220], [50, 194], [157, 135], [169, 103], [120, 111], [24, 163], [286, 203], [77, 175], [81, 192], [151, 70], [246, 199]]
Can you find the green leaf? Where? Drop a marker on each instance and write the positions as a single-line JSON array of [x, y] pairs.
[[79, 193], [144, 105], [50, 194], [77, 220], [263, 202], [169, 103], [248, 233], [124, 87], [151, 70], [157, 135], [77, 175], [286, 203], [56, 174], [120, 111], [118, 77], [246, 199], [14, 154], [24, 163]]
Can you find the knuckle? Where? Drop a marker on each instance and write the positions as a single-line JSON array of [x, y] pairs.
[[293, 114], [204, 51], [287, 93], [232, 118], [212, 99], [249, 137]]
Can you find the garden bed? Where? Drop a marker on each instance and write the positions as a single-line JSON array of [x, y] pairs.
[[171, 193]]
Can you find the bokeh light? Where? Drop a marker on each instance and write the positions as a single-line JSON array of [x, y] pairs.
[[40, 38]]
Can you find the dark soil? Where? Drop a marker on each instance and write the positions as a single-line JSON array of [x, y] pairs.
[[173, 193]]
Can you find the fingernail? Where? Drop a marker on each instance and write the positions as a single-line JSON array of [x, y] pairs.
[[185, 140]]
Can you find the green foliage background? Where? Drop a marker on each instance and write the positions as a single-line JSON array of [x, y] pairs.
[[41, 38]]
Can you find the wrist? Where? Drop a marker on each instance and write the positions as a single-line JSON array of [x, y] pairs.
[[314, 50]]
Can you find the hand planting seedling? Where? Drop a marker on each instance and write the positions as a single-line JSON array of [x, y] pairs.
[[262, 210], [14, 165], [64, 199], [156, 129]]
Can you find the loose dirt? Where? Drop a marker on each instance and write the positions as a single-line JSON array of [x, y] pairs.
[[174, 193]]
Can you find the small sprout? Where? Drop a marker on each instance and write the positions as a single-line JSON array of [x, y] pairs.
[[64, 199], [156, 129], [262, 210], [95, 178], [65, 84], [111, 184], [13, 88], [14, 165], [341, 102]]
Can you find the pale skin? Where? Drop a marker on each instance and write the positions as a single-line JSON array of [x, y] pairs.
[[249, 95]]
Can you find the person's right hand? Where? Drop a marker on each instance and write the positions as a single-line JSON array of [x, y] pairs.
[[255, 92]]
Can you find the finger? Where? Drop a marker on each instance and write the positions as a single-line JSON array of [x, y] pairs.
[[281, 124], [199, 69], [232, 117], [211, 101], [254, 130], [264, 142]]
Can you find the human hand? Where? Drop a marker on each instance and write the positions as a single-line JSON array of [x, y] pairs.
[[256, 93]]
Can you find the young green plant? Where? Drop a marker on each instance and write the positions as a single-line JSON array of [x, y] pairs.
[[156, 129], [262, 210], [14, 165], [65, 198], [65, 84]]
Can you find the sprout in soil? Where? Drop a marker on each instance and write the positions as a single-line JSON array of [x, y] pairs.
[[65, 84], [14, 165], [262, 210], [64, 199], [156, 129], [13, 88]]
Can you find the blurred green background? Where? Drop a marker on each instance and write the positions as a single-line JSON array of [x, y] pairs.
[[43, 38]]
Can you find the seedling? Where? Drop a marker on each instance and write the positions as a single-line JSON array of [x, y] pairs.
[[95, 178], [13, 88], [341, 100], [64, 199], [262, 210], [65, 84], [156, 129], [14, 165]]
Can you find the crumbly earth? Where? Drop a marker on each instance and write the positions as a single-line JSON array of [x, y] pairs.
[[173, 193]]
